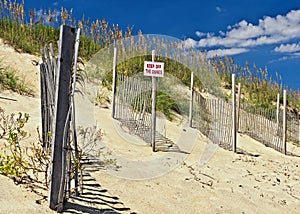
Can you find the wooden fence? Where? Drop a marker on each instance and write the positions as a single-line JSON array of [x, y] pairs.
[[261, 124], [133, 109], [293, 127], [48, 71], [58, 78], [213, 118], [133, 98]]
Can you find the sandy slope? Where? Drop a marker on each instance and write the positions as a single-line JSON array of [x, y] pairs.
[[22, 63], [258, 180]]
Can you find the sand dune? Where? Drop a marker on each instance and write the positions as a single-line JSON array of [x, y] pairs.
[[256, 180]]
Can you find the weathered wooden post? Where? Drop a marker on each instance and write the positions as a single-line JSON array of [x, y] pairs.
[[153, 115], [233, 115], [60, 121], [114, 84], [277, 111], [191, 100], [77, 42], [284, 123], [44, 105], [238, 108]]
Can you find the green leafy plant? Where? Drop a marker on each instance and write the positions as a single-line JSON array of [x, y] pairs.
[[11, 81], [23, 163], [12, 160]]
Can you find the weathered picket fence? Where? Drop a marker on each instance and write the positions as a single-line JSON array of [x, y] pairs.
[[132, 98], [213, 118], [58, 78], [48, 71], [261, 124], [293, 127]]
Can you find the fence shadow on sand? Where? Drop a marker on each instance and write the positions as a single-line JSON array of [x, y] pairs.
[[94, 198]]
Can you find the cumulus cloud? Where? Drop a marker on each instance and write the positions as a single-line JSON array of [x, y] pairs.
[[288, 48], [268, 31]]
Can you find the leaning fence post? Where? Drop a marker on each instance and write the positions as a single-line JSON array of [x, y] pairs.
[[62, 106], [233, 114], [153, 116], [191, 100], [284, 122], [114, 84]]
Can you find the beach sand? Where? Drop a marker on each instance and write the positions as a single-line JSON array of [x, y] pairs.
[[196, 178]]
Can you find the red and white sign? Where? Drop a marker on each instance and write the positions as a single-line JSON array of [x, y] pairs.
[[154, 69]]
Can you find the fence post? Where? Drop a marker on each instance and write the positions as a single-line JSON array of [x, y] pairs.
[[44, 106], [191, 100], [284, 122], [238, 108], [77, 42], [114, 84], [233, 115], [62, 105], [277, 110], [153, 115]]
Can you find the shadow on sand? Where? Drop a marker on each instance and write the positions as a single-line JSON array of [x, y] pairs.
[[94, 198]]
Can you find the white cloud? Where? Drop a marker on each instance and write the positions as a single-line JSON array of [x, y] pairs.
[[269, 30], [200, 34], [188, 43], [226, 52], [288, 48], [55, 3]]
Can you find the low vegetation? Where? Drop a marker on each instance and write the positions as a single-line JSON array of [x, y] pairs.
[[11, 81], [22, 162], [29, 32]]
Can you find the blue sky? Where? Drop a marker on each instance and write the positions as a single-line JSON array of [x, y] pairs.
[[264, 32]]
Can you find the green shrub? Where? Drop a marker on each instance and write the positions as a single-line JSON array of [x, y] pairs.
[[11, 81]]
